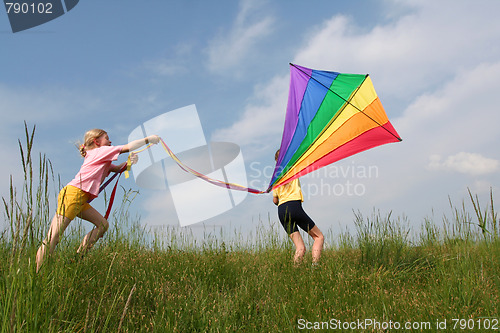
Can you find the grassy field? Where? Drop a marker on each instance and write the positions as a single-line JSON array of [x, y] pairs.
[[384, 277]]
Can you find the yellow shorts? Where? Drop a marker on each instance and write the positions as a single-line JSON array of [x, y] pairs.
[[72, 201]]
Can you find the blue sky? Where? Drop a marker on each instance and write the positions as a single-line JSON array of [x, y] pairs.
[[116, 64]]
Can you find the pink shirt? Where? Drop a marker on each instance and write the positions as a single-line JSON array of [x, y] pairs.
[[95, 168]]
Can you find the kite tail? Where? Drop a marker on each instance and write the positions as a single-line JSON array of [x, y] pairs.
[[231, 186]]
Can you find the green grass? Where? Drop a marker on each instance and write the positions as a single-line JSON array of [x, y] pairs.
[[139, 280]]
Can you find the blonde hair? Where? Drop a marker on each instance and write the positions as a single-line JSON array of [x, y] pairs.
[[276, 155], [88, 140]]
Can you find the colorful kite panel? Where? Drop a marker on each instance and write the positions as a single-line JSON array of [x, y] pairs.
[[329, 116]]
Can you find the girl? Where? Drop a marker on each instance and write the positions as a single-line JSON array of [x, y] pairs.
[[74, 197], [289, 199]]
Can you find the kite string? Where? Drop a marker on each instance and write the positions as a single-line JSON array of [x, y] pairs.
[[126, 168]]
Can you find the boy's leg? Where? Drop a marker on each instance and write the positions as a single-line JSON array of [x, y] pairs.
[[300, 247], [58, 225], [319, 239], [93, 216]]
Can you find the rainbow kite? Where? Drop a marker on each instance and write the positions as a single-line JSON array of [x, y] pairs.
[[329, 116]]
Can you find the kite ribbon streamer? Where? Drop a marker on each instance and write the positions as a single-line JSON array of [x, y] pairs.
[[113, 193], [126, 168], [231, 186]]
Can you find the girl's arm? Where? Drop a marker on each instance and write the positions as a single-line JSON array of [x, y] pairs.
[[154, 139], [117, 168]]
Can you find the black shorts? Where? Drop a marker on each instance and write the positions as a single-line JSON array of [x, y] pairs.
[[292, 215]]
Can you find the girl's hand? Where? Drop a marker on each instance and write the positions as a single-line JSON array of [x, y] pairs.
[[134, 158], [154, 139]]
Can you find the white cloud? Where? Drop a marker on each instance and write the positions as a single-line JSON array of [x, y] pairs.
[[414, 52], [459, 117], [228, 50], [468, 163], [442, 124]]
